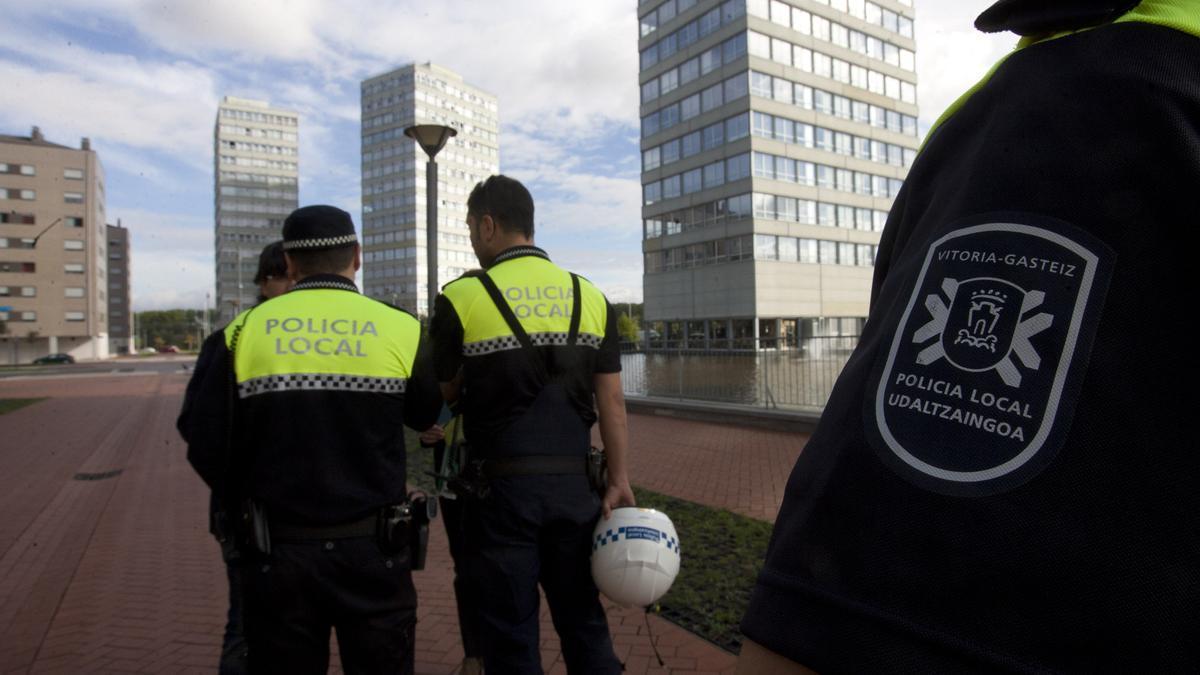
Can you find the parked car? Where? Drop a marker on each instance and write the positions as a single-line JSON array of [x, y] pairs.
[[148, 350], [169, 349], [55, 358]]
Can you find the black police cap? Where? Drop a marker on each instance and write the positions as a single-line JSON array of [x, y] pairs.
[[317, 227], [271, 262]]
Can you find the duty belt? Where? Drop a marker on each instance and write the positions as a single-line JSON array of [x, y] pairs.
[[366, 527], [534, 465]]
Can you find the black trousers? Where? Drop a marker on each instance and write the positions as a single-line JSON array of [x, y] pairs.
[[466, 594], [234, 659], [535, 530], [306, 588]]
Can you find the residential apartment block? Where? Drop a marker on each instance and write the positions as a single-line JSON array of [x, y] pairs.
[[53, 252], [120, 293], [775, 136], [256, 170], [393, 178]]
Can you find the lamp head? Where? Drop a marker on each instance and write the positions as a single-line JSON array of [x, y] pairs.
[[431, 137]]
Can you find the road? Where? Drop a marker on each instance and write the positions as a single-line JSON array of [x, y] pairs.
[[166, 363]]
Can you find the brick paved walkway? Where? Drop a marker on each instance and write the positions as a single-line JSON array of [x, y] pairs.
[[120, 575]]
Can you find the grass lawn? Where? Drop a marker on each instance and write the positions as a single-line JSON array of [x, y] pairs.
[[722, 555], [8, 405]]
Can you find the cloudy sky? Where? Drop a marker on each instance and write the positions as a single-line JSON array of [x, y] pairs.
[[142, 79]]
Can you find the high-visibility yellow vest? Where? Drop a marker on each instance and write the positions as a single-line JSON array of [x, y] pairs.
[[323, 339], [541, 297]]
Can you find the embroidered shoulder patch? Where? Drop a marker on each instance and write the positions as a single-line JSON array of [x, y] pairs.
[[977, 391]]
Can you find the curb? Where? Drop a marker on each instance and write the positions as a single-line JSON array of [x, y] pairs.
[[775, 419]]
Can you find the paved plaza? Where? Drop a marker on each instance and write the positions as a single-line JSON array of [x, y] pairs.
[[106, 564]]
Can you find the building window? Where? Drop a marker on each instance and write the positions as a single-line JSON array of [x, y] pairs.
[[17, 267], [74, 316], [73, 244], [73, 268], [14, 218], [72, 221], [73, 197], [73, 292], [73, 174], [19, 169], [16, 242]]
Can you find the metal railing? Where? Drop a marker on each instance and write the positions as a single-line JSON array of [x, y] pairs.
[[777, 375]]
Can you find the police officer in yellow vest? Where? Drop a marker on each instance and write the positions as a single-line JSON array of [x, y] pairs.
[[532, 350], [319, 383], [272, 281]]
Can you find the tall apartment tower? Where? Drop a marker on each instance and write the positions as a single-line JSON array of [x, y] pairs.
[[120, 294], [53, 253], [256, 161], [775, 135], [393, 177]]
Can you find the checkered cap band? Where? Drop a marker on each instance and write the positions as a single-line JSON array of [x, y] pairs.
[[321, 242], [321, 382], [613, 536]]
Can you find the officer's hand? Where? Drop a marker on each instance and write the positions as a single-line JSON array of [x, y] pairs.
[[618, 494], [432, 435]]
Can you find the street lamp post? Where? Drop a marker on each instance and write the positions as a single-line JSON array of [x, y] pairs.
[[431, 138]]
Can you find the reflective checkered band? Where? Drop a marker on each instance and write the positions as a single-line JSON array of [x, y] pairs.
[[613, 536], [543, 339], [488, 346], [321, 382], [323, 242], [589, 340], [506, 342], [325, 284]]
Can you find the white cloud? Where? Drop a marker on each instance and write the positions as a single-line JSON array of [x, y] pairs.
[[143, 78], [69, 105], [951, 55], [172, 261]]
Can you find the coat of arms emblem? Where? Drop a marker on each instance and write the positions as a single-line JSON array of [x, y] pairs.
[[977, 383]]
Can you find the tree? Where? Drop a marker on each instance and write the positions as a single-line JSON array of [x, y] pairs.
[[170, 327], [628, 328]]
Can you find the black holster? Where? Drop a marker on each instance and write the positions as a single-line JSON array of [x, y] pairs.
[[406, 525], [597, 470], [393, 528], [423, 511], [254, 530], [470, 483]]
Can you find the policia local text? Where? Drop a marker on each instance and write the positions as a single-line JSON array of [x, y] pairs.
[[325, 346]]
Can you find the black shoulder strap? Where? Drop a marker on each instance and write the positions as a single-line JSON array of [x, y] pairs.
[[518, 331], [576, 311]]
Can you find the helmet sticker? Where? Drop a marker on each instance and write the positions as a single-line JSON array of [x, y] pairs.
[[977, 390]]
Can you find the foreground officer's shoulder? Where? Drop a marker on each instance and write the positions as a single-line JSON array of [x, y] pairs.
[[234, 327], [462, 283], [586, 287], [390, 310]]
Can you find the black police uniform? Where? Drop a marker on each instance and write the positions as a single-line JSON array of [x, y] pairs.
[[223, 508], [1004, 477], [222, 511], [302, 410], [531, 528]]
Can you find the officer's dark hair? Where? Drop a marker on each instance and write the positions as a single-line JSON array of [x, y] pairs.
[[323, 260], [507, 201], [271, 263]]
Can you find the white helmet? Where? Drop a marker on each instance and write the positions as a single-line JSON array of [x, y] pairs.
[[635, 556]]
